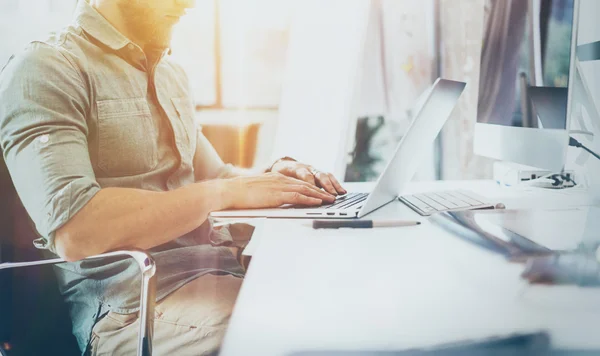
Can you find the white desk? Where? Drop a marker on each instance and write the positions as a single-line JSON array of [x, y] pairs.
[[390, 289]]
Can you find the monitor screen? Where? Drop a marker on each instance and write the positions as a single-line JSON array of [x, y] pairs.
[[525, 62]]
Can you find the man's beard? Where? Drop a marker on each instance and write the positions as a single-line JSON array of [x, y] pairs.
[[143, 22]]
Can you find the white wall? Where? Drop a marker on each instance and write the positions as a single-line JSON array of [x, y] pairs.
[[24, 20], [319, 86]]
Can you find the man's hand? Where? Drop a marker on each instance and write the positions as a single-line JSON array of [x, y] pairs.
[[271, 190], [309, 175]]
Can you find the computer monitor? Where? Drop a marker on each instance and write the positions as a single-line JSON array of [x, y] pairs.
[[524, 79]]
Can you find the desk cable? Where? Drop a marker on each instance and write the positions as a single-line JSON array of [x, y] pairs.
[[552, 181], [574, 143]]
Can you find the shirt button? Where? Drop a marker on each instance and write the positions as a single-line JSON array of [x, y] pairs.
[[131, 46], [44, 139]]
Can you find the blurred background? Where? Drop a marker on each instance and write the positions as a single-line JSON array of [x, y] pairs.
[[237, 54]]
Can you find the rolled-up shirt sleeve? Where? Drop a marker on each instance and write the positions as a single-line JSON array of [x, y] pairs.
[[43, 136]]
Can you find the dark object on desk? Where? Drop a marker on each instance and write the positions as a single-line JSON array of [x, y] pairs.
[[361, 224], [577, 268], [514, 246], [537, 344]]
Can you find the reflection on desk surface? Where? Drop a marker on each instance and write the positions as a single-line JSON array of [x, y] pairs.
[[530, 231], [556, 229], [527, 344]]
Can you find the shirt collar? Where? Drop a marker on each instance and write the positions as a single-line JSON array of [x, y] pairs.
[[98, 27]]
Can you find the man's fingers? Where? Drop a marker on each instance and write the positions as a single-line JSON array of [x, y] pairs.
[[311, 192], [337, 184], [325, 182], [320, 193], [305, 175], [299, 198]]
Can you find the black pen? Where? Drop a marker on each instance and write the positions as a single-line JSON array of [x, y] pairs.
[[361, 224]]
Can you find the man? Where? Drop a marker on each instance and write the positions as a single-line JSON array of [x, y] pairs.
[[97, 129]]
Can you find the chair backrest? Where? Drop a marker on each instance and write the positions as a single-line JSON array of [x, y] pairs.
[[7, 194], [34, 320], [6, 233]]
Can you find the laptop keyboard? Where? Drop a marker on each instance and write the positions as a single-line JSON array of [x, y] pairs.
[[429, 203], [347, 201]]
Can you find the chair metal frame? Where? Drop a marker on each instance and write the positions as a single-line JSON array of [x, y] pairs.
[[147, 294]]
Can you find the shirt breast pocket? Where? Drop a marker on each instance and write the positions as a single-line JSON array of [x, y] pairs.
[[185, 112], [127, 137]]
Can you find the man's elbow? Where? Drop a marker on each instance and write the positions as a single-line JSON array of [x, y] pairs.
[[69, 246]]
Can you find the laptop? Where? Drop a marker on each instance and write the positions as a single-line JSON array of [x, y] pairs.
[[437, 107]]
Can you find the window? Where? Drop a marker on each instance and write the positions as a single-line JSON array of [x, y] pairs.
[[234, 52]]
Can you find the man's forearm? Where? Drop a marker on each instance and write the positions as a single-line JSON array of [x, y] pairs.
[[120, 218], [231, 171]]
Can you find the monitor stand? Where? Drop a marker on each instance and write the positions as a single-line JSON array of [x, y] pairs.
[[549, 106]]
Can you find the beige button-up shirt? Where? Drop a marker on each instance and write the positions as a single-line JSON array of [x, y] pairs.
[[83, 110]]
